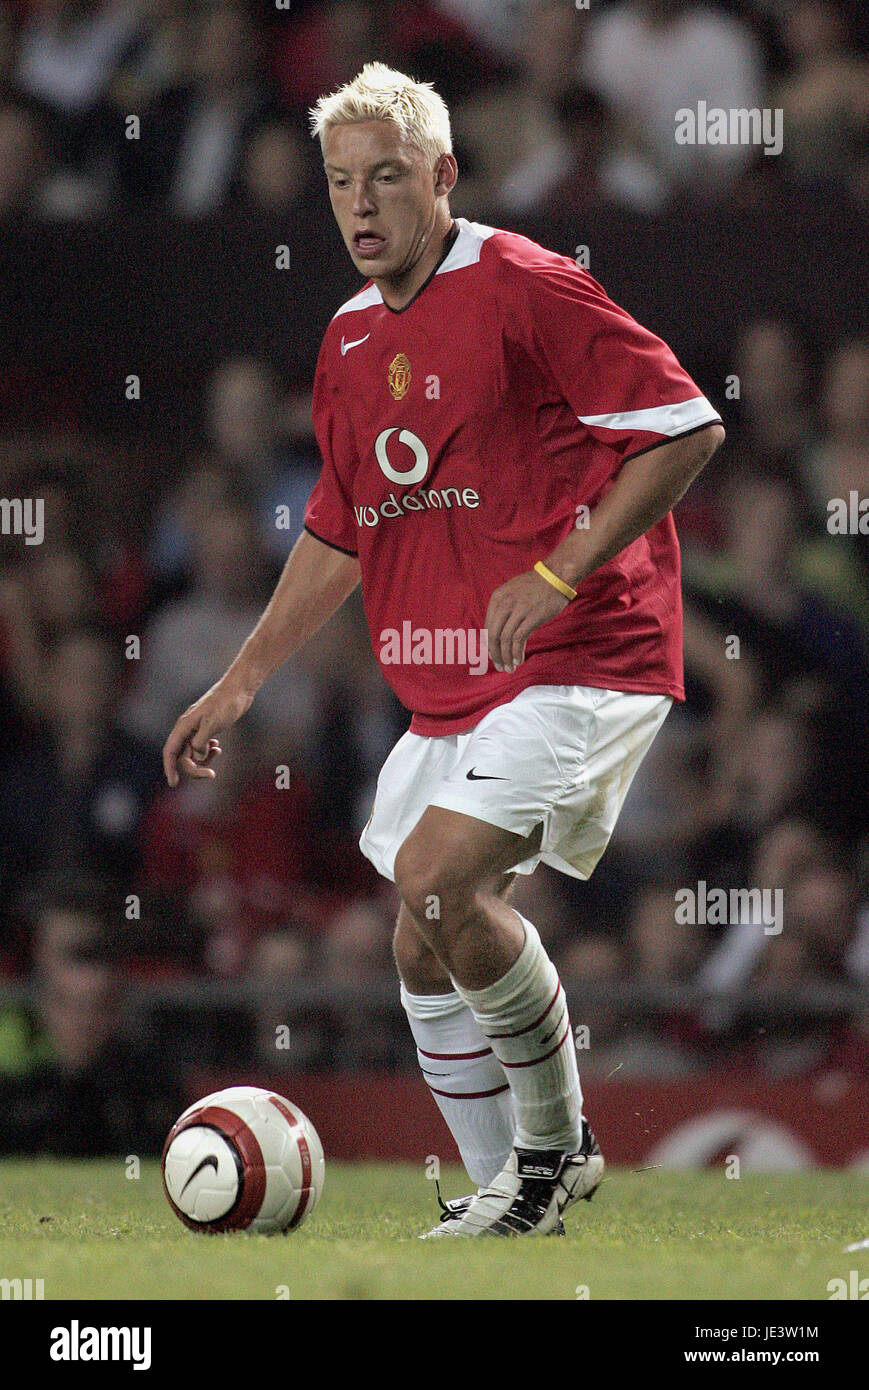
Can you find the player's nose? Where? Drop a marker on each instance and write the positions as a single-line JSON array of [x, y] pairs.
[[361, 203]]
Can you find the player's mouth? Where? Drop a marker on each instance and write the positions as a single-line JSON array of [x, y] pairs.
[[368, 245]]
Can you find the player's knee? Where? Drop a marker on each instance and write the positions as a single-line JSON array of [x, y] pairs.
[[432, 890]]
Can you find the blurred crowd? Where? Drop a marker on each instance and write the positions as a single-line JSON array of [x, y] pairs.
[[194, 106], [110, 880]]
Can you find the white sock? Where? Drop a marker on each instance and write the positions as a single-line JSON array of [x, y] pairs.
[[466, 1080], [523, 1016]]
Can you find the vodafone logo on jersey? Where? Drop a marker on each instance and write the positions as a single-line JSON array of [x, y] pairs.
[[423, 499], [412, 475]]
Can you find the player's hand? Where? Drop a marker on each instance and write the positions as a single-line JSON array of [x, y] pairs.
[[516, 610], [193, 745]]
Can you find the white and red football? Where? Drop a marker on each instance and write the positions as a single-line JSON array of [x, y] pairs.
[[243, 1159]]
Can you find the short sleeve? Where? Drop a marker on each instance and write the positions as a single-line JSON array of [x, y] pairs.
[[329, 511], [624, 384]]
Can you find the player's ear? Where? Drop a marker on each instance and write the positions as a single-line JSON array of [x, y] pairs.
[[446, 173]]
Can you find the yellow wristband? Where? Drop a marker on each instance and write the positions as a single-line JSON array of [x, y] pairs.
[[553, 579]]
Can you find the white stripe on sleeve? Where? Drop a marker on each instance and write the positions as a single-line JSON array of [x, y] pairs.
[[659, 419]]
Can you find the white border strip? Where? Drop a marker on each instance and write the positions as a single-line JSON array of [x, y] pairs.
[[467, 246], [658, 419], [464, 251], [363, 300]]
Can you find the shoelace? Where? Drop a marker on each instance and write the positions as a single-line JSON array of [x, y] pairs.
[[448, 1210]]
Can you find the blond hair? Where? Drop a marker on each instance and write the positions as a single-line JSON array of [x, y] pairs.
[[379, 93]]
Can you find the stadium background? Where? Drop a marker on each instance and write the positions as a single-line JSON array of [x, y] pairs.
[[155, 374]]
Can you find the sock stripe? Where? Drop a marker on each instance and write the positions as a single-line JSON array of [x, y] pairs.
[[468, 1095], [454, 1056], [535, 1061], [535, 1024]]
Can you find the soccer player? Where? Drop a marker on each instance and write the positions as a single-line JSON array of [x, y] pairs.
[[502, 447]]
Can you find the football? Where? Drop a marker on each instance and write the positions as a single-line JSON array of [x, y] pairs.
[[243, 1159]]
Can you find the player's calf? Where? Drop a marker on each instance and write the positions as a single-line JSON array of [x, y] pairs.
[[468, 928], [459, 1067], [512, 989], [419, 968]]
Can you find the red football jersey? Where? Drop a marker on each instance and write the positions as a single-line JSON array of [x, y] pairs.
[[463, 437]]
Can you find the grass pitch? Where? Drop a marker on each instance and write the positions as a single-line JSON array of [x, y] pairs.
[[90, 1232]]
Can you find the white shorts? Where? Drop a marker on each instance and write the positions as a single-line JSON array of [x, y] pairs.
[[561, 754]]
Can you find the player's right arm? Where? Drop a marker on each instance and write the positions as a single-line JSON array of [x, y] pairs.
[[315, 582]]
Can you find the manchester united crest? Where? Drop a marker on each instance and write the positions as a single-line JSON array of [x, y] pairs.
[[399, 376]]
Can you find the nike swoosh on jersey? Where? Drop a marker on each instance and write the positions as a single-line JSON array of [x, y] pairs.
[[345, 347], [473, 776]]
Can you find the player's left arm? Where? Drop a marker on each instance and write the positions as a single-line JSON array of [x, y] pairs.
[[646, 489]]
